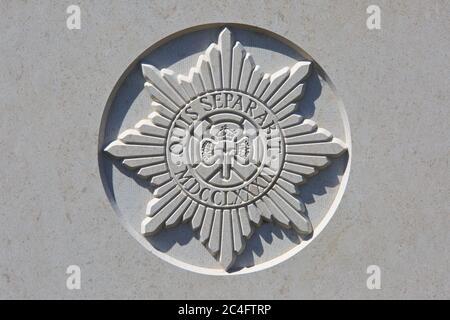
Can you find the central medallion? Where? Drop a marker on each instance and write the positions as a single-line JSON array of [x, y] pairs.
[[225, 149]]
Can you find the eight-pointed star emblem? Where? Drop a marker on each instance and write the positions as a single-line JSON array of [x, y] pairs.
[[224, 148]]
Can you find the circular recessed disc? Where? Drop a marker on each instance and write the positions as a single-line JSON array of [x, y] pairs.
[[224, 149]]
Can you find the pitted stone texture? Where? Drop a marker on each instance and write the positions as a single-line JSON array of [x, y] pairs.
[[54, 213]]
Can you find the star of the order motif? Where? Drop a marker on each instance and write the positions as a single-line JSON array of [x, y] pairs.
[[226, 66]]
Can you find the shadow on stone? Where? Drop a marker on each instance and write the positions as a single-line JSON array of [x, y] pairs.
[[167, 238]]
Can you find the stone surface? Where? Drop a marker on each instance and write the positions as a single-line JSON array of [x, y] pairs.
[[54, 213]]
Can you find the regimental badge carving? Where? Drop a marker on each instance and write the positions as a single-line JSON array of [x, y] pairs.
[[225, 148]]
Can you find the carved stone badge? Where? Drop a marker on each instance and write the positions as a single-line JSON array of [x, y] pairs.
[[225, 147]]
